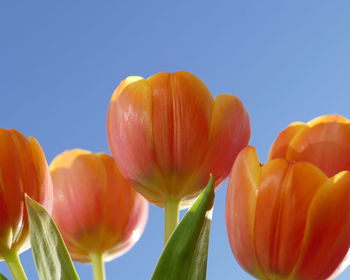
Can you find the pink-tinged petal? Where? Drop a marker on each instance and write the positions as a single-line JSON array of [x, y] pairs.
[[70, 170], [128, 221], [181, 117], [242, 192], [327, 234], [281, 145], [96, 209], [325, 142], [285, 193], [229, 134], [129, 125]]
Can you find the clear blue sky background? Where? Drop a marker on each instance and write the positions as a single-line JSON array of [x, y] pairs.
[[60, 62]]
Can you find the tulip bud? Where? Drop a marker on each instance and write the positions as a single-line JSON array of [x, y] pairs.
[[287, 219], [95, 208], [23, 170]]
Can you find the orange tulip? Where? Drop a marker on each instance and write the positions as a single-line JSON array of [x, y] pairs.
[[96, 210], [167, 135], [324, 141], [287, 219], [23, 170]]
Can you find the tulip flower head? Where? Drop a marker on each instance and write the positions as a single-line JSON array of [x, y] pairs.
[[95, 208], [290, 218], [324, 141], [167, 135], [23, 170]]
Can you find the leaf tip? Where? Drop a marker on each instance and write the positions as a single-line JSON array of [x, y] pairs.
[[210, 189]]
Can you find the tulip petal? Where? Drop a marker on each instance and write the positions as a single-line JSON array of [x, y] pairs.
[[23, 169], [267, 213], [241, 207], [325, 142], [80, 170], [181, 116], [327, 234], [84, 215], [163, 119], [43, 176], [5, 236], [129, 221], [129, 125], [71, 170], [10, 191], [285, 193], [280, 146], [114, 197], [229, 133], [18, 176]]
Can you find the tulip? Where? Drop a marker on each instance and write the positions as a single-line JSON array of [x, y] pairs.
[[23, 170], [324, 141], [288, 219], [167, 135], [98, 213]]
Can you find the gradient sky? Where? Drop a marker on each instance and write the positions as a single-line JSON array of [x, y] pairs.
[[60, 62]]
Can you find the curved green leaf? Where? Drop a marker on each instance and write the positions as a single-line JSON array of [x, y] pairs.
[[186, 253], [50, 254], [2, 277]]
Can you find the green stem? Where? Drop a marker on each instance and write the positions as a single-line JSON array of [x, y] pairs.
[[172, 209], [15, 266], [98, 266]]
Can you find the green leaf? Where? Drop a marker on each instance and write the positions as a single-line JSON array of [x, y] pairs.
[[2, 277], [50, 254], [186, 253]]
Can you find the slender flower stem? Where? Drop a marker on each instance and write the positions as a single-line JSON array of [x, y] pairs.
[[172, 208], [98, 266], [15, 266]]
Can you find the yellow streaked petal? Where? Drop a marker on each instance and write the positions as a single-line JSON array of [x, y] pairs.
[[129, 80], [328, 119], [66, 159]]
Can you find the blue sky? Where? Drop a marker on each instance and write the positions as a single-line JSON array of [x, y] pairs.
[[60, 62]]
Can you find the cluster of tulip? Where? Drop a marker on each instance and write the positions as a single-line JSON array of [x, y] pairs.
[[286, 219]]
